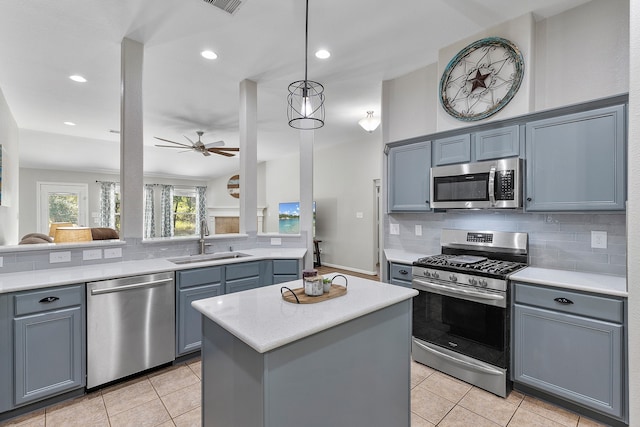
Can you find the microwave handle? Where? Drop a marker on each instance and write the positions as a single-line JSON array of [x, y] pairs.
[[492, 186]]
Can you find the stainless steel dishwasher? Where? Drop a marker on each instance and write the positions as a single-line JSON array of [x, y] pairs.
[[130, 326]]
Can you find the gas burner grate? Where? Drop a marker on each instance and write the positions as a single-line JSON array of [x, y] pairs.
[[491, 266]]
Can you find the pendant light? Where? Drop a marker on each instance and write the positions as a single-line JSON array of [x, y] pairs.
[[369, 123], [305, 108]]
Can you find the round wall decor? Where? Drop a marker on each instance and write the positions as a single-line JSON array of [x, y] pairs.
[[481, 79], [233, 186]]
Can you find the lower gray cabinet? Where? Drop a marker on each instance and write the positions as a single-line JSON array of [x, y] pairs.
[[400, 274], [285, 270], [571, 345], [192, 285], [49, 344], [242, 276]]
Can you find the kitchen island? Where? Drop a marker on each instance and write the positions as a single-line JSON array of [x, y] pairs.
[[344, 361]]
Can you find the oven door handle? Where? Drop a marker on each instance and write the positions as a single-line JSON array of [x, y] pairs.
[[466, 364], [457, 291]]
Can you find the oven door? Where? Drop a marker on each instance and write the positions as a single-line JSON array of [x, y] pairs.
[[465, 321]]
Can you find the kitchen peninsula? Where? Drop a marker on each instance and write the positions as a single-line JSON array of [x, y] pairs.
[[344, 361]]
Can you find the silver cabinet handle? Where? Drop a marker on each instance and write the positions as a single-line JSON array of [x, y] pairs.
[[492, 186], [130, 287]]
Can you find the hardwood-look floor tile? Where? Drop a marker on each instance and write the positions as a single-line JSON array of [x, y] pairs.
[[525, 418], [418, 421], [419, 372], [196, 367], [445, 386], [88, 410], [550, 411], [193, 418], [428, 405]]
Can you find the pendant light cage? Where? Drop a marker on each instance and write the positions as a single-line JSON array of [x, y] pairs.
[[305, 109], [306, 105]]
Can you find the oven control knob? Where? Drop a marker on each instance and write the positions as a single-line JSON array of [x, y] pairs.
[[427, 274], [435, 275], [453, 278], [483, 283], [473, 281]]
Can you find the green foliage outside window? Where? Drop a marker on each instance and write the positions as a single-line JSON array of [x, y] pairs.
[[184, 215], [63, 208]]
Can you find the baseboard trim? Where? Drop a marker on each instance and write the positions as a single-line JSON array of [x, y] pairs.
[[355, 270]]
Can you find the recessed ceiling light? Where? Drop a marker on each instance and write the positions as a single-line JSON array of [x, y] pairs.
[[323, 54], [209, 54], [69, 123], [78, 78]]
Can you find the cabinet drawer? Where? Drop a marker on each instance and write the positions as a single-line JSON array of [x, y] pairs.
[[199, 276], [566, 301], [48, 299], [239, 271], [400, 271], [285, 266]]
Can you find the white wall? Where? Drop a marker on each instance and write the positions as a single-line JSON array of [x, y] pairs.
[[282, 178], [10, 176]]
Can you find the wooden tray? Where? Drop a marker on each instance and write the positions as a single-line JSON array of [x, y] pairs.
[[297, 296]]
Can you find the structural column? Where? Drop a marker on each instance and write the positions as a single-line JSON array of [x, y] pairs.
[[248, 157]]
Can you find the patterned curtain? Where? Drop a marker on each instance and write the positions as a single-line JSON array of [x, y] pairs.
[[108, 204], [201, 206], [149, 219], [166, 228]]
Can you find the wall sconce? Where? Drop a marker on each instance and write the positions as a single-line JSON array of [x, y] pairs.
[[72, 235], [369, 123]]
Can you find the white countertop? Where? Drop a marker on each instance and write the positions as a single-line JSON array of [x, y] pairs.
[[403, 257], [13, 282], [264, 321], [588, 282]]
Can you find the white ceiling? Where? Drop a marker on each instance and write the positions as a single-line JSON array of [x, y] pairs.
[[42, 42]]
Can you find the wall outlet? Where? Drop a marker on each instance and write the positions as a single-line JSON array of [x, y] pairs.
[[418, 230], [276, 241], [1, 261], [599, 239], [92, 254], [113, 253], [359, 215], [55, 257], [394, 229]]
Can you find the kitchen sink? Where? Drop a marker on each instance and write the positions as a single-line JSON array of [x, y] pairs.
[[208, 257]]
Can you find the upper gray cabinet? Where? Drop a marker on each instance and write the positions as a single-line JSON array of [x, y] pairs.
[[408, 177], [477, 146], [454, 149], [576, 162]]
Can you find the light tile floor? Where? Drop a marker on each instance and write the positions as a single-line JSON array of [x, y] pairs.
[[171, 397]]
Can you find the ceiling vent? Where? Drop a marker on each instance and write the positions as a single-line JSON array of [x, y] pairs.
[[229, 6]]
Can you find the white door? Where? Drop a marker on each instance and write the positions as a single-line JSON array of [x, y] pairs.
[[62, 202]]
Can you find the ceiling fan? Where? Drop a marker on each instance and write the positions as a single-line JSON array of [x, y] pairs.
[[200, 147]]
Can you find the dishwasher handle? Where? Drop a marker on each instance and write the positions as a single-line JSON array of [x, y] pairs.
[[130, 287]]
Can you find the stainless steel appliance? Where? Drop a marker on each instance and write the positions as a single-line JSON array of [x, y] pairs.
[[461, 315], [493, 184], [130, 326]]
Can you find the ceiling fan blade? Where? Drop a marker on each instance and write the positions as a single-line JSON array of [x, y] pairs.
[[192, 143], [225, 149], [222, 153], [214, 144], [173, 146], [173, 142]]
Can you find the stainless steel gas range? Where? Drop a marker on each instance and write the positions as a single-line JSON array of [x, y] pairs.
[[461, 315]]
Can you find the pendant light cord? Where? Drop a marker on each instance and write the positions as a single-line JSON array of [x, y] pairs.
[[306, 42]]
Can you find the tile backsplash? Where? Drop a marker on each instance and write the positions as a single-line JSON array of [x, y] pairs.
[[557, 240]]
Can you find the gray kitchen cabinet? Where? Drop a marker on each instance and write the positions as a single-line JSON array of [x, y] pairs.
[[6, 353], [408, 177], [571, 345], [285, 270], [49, 342], [497, 143], [454, 149], [192, 285], [400, 274], [243, 276], [576, 162]]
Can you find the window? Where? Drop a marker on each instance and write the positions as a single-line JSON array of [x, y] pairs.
[[185, 212], [61, 202]]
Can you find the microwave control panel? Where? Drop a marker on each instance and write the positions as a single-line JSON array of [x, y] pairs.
[[505, 185]]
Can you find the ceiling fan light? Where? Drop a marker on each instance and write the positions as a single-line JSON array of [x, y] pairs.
[[369, 123]]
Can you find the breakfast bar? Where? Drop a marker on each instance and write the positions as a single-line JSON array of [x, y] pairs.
[[343, 361]]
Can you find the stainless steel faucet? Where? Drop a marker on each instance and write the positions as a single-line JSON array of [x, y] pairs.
[[204, 231]]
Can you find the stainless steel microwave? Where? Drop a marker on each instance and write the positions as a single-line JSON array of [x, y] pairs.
[[493, 184]]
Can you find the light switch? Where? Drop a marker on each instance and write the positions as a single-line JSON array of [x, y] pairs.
[[360, 215], [394, 229], [599, 239], [276, 241]]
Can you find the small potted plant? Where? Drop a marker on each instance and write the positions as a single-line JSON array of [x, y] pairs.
[[326, 284]]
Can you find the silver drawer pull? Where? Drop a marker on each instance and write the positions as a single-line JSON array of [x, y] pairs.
[[564, 301], [47, 300], [403, 272]]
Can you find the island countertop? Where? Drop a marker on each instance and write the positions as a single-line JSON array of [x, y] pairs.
[[262, 319]]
